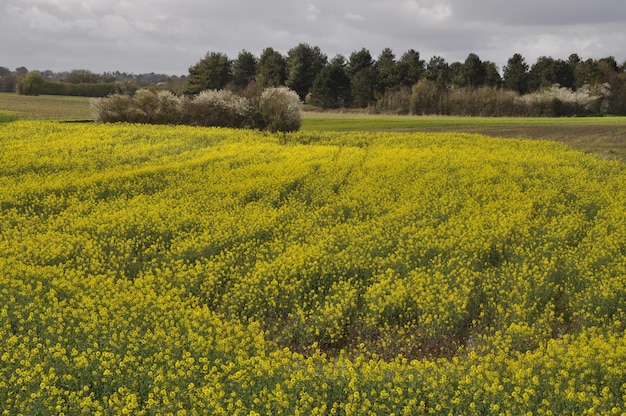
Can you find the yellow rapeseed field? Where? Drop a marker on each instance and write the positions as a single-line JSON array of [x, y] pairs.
[[156, 270]]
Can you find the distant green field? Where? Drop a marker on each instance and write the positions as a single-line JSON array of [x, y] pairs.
[[46, 107], [351, 121], [603, 135]]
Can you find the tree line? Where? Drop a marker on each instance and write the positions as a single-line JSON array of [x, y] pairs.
[[403, 85], [82, 82], [410, 84]]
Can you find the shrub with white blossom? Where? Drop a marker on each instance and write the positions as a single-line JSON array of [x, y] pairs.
[[217, 108], [275, 109], [561, 101]]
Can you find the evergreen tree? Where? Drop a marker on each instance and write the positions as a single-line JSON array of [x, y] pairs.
[[410, 68], [362, 78], [437, 70], [548, 71], [387, 71], [587, 72], [331, 88], [304, 62], [272, 69], [515, 74], [473, 71], [213, 72], [244, 69], [492, 75], [456, 74], [573, 61]]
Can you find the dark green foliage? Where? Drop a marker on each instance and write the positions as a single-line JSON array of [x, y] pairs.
[[331, 88], [474, 73], [437, 70], [587, 73], [31, 84], [213, 72], [456, 74], [304, 62], [34, 83], [410, 68], [363, 86], [387, 71], [492, 75], [244, 69], [384, 84], [101, 89], [362, 75], [547, 72], [8, 80], [272, 69], [359, 60], [515, 74]]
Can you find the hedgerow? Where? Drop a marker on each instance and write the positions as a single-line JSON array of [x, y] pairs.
[[427, 97], [276, 109]]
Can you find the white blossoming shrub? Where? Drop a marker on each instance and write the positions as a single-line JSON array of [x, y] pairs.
[[279, 109], [560, 101], [217, 108], [169, 110], [114, 108], [275, 109], [145, 106], [157, 107]]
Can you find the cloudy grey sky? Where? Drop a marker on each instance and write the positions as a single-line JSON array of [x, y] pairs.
[[168, 36]]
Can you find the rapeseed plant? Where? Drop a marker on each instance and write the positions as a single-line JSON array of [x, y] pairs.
[[181, 270]]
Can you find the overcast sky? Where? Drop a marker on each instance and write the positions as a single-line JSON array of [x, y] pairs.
[[168, 36]]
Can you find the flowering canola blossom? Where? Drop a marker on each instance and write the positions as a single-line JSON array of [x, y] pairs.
[[176, 270]]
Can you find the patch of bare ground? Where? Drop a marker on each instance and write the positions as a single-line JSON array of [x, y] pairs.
[[607, 140]]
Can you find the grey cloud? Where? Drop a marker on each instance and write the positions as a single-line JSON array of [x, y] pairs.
[[550, 13], [169, 36]]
